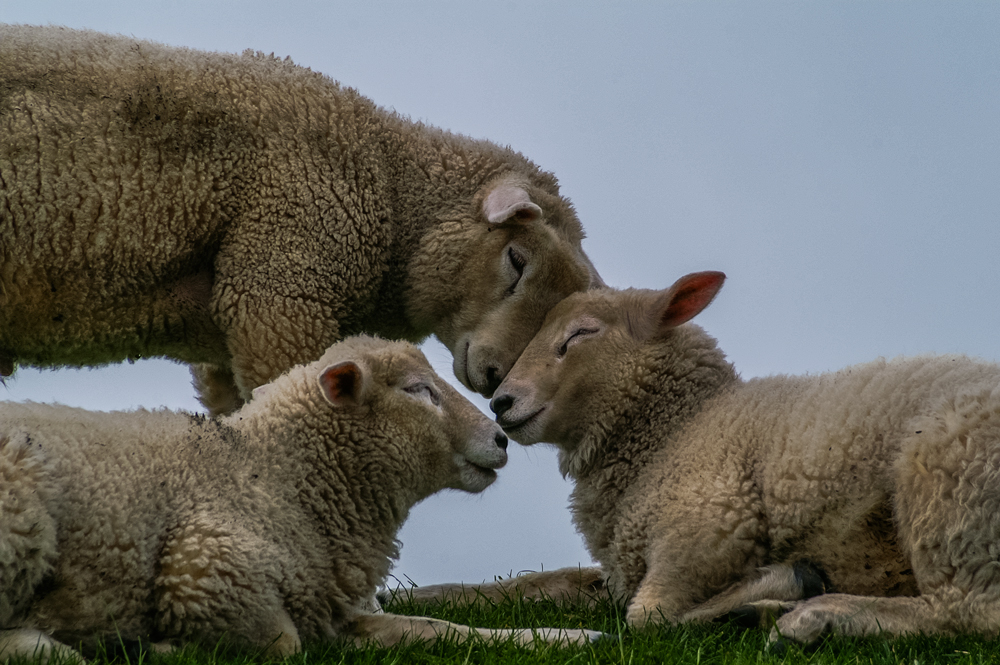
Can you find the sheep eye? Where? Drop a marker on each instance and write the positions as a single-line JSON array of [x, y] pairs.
[[580, 332], [425, 392], [517, 261]]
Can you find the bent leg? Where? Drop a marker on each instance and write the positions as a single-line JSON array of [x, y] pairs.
[[583, 585], [216, 388], [34, 644], [758, 600], [390, 629]]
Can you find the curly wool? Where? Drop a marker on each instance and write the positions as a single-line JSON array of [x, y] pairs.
[[693, 486], [279, 520], [242, 213]]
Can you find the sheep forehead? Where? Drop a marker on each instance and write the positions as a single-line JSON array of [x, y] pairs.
[[599, 304], [375, 350]]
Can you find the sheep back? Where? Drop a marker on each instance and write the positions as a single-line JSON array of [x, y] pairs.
[[242, 213]]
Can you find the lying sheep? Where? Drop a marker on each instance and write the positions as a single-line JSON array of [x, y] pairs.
[[242, 213], [272, 526], [702, 495]]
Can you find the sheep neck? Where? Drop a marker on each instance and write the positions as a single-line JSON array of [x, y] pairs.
[[337, 477], [683, 373]]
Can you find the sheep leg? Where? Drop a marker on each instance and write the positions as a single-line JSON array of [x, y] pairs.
[[287, 641], [36, 646], [948, 514], [756, 602], [580, 585], [843, 614], [213, 581], [216, 388], [390, 629], [705, 543]]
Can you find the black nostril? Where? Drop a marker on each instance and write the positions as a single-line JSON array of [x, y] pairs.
[[501, 404], [501, 440], [493, 379]]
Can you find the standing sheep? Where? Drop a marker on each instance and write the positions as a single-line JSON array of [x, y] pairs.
[[272, 526], [242, 213], [702, 495]]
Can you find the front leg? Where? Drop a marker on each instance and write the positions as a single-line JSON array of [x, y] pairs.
[[761, 598], [35, 646], [564, 585], [214, 581], [706, 538], [216, 388], [273, 333], [390, 629], [280, 301]]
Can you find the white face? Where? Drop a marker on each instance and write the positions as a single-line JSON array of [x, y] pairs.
[[529, 400], [479, 446], [439, 437]]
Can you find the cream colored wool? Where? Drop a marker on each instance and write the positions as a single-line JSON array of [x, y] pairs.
[[701, 494], [270, 527], [242, 213]]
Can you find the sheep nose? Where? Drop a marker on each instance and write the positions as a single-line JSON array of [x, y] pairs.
[[501, 440], [500, 404]]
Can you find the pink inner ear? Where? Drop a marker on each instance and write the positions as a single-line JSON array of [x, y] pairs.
[[341, 383], [689, 296], [507, 201]]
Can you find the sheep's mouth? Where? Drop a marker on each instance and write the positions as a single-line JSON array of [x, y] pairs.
[[483, 470], [488, 468], [512, 427], [476, 478]]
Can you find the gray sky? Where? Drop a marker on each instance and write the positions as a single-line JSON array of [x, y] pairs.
[[839, 161]]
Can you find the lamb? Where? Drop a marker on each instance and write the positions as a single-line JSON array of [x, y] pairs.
[[704, 496], [242, 213], [272, 526]]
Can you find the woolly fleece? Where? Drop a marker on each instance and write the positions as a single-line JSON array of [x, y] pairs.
[[270, 527], [242, 213], [701, 494]]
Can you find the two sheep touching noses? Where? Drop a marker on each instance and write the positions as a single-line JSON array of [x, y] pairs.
[[271, 527], [875, 489]]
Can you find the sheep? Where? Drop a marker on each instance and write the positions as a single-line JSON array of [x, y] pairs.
[[272, 526], [703, 496], [241, 213]]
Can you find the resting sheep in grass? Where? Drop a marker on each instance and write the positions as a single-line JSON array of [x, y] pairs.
[[702, 495], [271, 527], [242, 213]]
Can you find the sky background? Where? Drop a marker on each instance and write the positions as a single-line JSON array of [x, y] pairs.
[[839, 161]]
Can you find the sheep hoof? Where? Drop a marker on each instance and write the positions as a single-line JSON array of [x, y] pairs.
[[597, 636], [744, 616], [778, 647]]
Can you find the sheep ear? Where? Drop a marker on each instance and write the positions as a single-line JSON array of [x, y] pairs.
[[686, 299], [508, 202], [260, 391], [344, 384]]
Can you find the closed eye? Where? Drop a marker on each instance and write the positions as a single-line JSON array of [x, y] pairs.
[[424, 392], [577, 336], [517, 262]]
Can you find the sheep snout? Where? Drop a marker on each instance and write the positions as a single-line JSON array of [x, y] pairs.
[[484, 367]]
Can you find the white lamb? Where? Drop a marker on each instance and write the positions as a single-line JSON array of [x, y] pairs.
[[271, 527], [701, 494]]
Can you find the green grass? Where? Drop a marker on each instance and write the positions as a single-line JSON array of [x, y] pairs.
[[697, 645]]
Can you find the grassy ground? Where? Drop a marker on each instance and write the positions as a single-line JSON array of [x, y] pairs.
[[718, 643]]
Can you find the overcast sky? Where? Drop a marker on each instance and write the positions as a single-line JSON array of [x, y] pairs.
[[839, 161]]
